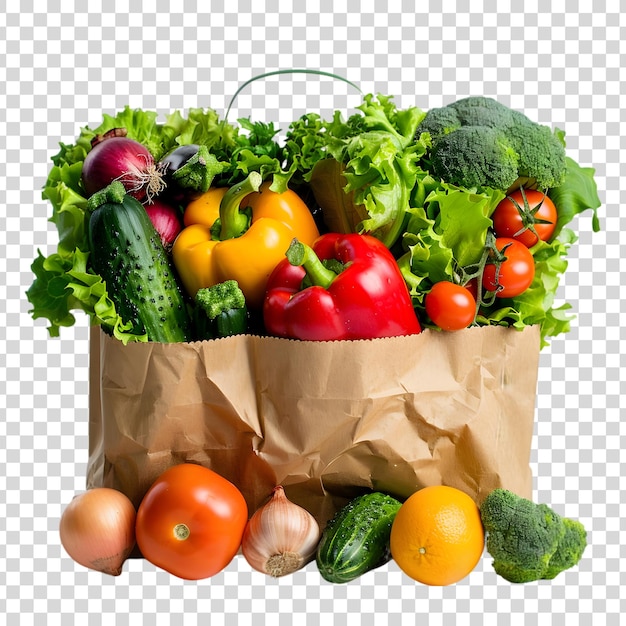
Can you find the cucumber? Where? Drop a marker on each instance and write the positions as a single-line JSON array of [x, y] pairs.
[[356, 539], [127, 252]]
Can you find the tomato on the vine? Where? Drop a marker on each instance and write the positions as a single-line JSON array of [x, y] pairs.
[[527, 216], [450, 306], [516, 272], [191, 521]]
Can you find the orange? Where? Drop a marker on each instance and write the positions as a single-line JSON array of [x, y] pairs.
[[437, 537]]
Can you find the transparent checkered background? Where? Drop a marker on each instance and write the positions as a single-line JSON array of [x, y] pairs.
[[63, 65]]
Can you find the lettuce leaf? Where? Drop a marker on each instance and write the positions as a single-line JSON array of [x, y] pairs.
[[378, 154], [381, 165], [429, 258], [463, 219], [576, 194]]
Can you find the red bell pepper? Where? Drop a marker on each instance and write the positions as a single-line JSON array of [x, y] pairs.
[[348, 286]]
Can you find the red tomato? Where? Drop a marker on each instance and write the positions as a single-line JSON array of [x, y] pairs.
[[450, 306], [516, 272], [191, 521], [515, 218]]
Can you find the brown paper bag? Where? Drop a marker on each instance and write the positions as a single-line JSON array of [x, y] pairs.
[[327, 420]]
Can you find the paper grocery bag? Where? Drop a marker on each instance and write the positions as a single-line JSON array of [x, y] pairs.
[[327, 420]]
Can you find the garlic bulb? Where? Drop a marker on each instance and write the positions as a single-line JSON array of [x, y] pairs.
[[281, 537]]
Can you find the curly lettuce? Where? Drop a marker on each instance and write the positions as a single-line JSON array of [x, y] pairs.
[[372, 157]]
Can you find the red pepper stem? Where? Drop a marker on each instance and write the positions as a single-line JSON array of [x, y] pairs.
[[233, 222], [301, 254]]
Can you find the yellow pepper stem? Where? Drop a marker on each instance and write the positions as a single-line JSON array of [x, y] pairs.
[[233, 222]]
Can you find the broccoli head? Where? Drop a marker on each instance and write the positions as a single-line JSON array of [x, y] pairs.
[[475, 156], [473, 111], [529, 541], [570, 549], [504, 148], [220, 311]]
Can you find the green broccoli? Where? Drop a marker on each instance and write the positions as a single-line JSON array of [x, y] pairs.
[[220, 311], [479, 142], [529, 541], [475, 156], [570, 548], [471, 111]]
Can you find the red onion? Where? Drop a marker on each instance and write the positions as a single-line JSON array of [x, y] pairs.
[[120, 158], [166, 219]]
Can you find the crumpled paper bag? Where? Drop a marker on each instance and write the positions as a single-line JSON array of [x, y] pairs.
[[327, 420]]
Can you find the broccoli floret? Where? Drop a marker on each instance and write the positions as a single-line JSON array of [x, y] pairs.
[[529, 541], [475, 156], [220, 311], [498, 134], [570, 549], [482, 111], [439, 122], [541, 153]]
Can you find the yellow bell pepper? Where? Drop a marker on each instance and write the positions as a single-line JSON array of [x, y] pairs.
[[247, 243]]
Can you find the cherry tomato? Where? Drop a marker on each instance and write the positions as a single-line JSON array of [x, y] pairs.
[[515, 218], [191, 521], [516, 272], [450, 306]]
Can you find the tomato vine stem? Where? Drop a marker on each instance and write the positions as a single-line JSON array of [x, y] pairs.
[[492, 255]]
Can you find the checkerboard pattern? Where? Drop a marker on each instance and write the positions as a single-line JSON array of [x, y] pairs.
[[62, 65]]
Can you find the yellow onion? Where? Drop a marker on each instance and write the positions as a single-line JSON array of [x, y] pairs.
[[281, 537], [97, 529]]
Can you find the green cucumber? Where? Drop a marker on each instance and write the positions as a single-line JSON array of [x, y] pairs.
[[127, 252], [356, 539]]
